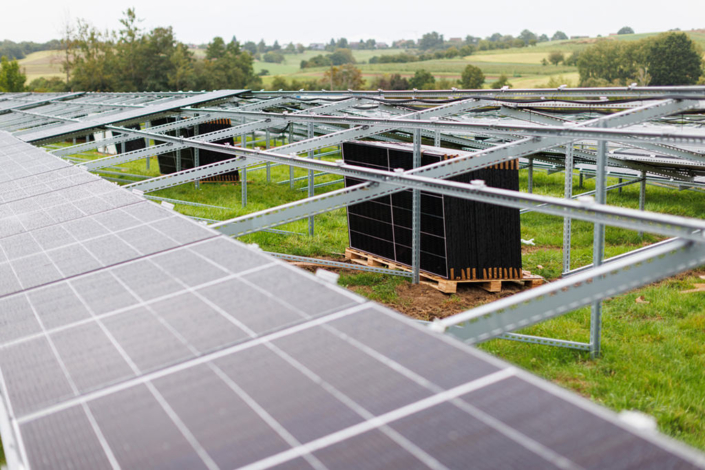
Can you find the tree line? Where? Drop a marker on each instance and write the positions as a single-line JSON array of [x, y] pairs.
[[131, 59]]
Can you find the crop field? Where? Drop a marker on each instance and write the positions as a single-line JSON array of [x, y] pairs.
[[653, 338]]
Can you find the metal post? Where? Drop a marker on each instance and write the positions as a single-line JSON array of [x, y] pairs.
[[269, 164], [416, 216], [642, 195], [243, 171], [311, 183], [580, 184], [196, 157], [291, 168], [598, 244], [620, 188], [437, 139], [147, 125], [568, 194], [531, 175]]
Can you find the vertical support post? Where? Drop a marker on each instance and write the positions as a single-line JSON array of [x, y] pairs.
[[598, 245], [437, 139], [568, 194], [620, 188], [243, 170], [642, 195], [416, 216], [291, 168], [580, 185], [310, 180], [196, 157], [122, 147], [147, 125], [269, 165], [531, 175]]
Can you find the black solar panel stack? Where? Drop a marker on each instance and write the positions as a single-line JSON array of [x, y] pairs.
[[132, 145], [460, 239], [168, 162]]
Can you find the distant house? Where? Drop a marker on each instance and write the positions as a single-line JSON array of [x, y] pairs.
[[402, 42], [354, 45], [455, 40], [317, 46], [382, 45]]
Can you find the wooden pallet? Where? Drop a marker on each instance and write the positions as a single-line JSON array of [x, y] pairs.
[[447, 286]]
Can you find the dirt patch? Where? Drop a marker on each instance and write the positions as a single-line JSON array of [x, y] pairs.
[[425, 302]]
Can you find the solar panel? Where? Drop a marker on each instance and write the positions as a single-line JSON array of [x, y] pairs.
[[133, 337], [127, 116]]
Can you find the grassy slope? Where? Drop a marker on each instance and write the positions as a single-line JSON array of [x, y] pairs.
[[653, 353]]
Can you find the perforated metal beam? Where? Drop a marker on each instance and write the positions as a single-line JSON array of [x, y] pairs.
[[565, 295]]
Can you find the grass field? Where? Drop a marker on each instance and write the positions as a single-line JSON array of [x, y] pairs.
[[653, 350], [42, 64]]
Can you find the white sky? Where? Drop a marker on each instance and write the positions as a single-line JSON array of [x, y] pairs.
[[309, 21]]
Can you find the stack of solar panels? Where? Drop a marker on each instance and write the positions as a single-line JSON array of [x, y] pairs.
[[460, 239], [133, 337], [183, 159]]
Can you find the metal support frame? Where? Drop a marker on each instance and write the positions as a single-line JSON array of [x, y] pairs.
[[524, 141]]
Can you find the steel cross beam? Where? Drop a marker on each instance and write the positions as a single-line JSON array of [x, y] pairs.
[[177, 143], [300, 209], [124, 138], [517, 93], [533, 116], [580, 132], [187, 176], [565, 295]]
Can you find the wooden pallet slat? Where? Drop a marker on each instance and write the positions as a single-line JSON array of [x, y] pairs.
[[491, 283]]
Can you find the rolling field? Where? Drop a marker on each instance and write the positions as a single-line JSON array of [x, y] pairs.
[[521, 65]]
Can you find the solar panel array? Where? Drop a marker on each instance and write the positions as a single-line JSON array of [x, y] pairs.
[[133, 337], [127, 116]]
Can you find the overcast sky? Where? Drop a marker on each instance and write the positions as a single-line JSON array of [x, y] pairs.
[[306, 21]]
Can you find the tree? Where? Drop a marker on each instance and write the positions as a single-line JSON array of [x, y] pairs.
[[341, 56], [626, 30], [422, 80], [430, 41], [673, 59], [12, 79], [472, 78], [452, 52], [612, 61], [502, 81], [345, 77], [543, 38], [47, 85], [559, 36], [527, 36], [556, 57], [273, 57]]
